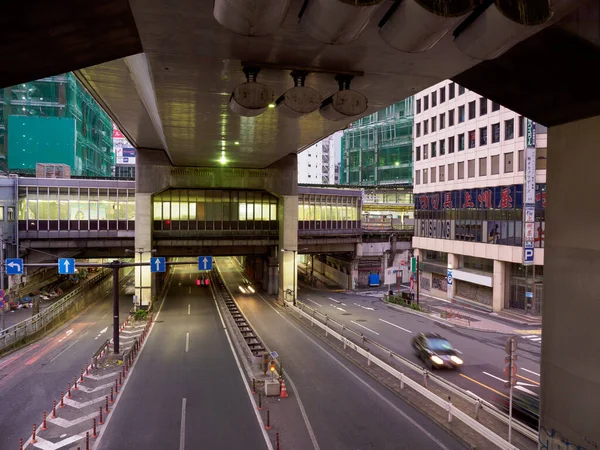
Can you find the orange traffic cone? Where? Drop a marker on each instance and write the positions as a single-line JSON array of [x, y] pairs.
[[283, 393]]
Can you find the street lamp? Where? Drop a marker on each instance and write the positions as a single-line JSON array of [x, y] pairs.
[[140, 251]]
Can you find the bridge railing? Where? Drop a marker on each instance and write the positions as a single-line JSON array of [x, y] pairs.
[[46, 318]]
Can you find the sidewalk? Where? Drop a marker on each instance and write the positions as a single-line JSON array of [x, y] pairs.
[[12, 317]]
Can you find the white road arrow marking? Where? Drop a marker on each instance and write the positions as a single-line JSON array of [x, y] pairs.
[[314, 302]]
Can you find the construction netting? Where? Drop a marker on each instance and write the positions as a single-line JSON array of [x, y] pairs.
[[377, 149], [55, 120]]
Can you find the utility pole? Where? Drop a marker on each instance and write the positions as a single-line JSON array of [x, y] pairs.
[[116, 265], [510, 373], [418, 279]]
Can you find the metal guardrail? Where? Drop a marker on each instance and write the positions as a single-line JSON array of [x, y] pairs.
[[21, 330], [477, 402]]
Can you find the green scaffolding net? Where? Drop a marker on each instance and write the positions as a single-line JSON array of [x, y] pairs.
[[377, 149], [54, 120]]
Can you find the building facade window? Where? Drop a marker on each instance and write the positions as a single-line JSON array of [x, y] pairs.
[[425, 151], [442, 174], [461, 170], [521, 161], [442, 121], [442, 94], [509, 129], [495, 106], [434, 99], [425, 127], [461, 90], [432, 174], [417, 128], [471, 168], [483, 106], [451, 144], [461, 142], [495, 165], [495, 133], [433, 124], [483, 136], [472, 109], [508, 162], [1, 213], [442, 147], [450, 117], [472, 139], [483, 167], [451, 172], [417, 177], [10, 213], [425, 176], [461, 114], [451, 90], [418, 106], [418, 153], [426, 103], [521, 126], [433, 149]]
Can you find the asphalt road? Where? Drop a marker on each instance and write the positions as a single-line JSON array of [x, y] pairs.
[[185, 391], [345, 407], [32, 377], [483, 352]]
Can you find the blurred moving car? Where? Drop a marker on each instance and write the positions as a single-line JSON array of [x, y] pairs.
[[526, 405], [435, 351], [246, 287], [203, 280]]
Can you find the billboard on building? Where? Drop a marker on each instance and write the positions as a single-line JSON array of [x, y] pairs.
[[125, 156]]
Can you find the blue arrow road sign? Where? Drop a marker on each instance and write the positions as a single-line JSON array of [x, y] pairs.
[[66, 266], [158, 264], [204, 262], [14, 266]]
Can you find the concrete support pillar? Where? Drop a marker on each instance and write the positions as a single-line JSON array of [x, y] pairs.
[[143, 242], [288, 244], [452, 264], [499, 285], [570, 392]]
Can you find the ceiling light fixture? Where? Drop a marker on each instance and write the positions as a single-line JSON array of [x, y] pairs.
[[251, 17], [345, 103], [223, 158], [251, 98], [414, 26], [337, 21], [491, 31], [299, 100]]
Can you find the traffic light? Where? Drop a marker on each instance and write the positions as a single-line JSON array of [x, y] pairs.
[[272, 366]]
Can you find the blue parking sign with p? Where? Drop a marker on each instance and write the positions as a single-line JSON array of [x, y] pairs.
[[527, 256]]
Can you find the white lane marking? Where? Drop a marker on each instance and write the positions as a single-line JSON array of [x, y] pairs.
[[334, 300], [70, 345], [318, 304], [536, 339], [343, 304], [261, 424], [101, 333], [189, 306], [131, 369], [187, 342], [104, 316], [531, 336], [362, 326], [337, 307], [365, 307], [363, 382], [530, 371], [182, 429], [494, 376], [67, 334], [394, 325]]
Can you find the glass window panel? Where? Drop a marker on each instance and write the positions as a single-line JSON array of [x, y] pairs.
[[166, 210], [242, 210]]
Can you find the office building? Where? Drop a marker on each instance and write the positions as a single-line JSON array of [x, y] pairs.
[[469, 169], [317, 164]]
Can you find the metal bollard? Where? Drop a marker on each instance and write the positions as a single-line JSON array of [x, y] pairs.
[[94, 434], [268, 426], [120, 379], [75, 384], [53, 408], [87, 440], [106, 409], [112, 398], [277, 442], [62, 399], [401, 381], [425, 378], [101, 419], [116, 386], [368, 358], [33, 439], [449, 406], [259, 401], [69, 391], [44, 426], [87, 370], [81, 380], [123, 372], [253, 386], [20, 443]]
